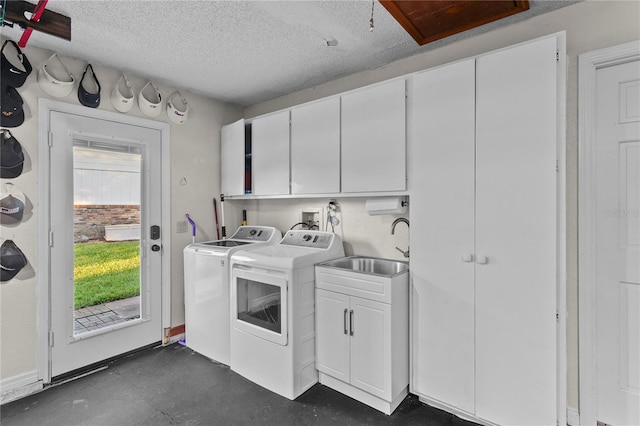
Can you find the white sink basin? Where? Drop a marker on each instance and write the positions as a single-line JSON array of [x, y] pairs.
[[371, 278], [369, 265]]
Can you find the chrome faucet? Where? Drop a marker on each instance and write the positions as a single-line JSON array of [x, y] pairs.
[[397, 221], [393, 230]]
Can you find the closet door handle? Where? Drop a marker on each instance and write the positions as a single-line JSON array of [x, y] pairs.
[[351, 322], [482, 260], [345, 320], [467, 257]]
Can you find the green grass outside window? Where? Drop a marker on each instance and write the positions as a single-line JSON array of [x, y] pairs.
[[104, 272]]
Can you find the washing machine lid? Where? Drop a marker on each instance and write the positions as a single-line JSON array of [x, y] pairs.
[[244, 237], [298, 249], [226, 243]]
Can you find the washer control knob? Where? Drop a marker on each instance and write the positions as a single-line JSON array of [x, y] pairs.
[[306, 237]]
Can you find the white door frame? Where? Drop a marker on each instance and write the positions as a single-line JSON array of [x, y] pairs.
[[589, 63], [45, 107]]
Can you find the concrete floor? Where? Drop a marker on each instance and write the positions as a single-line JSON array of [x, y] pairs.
[[174, 385]]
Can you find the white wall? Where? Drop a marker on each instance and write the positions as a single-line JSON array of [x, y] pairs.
[[195, 155], [590, 25]]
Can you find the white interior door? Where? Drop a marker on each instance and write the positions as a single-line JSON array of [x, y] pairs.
[[617, 301], [73, 137]]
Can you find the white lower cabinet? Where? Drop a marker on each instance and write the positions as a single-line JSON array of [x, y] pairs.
[[362, 346]]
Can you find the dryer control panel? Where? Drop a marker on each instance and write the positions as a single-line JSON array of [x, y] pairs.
[[253, 233], [306, 238]]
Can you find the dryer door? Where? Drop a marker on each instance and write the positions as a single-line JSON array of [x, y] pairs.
[[259, 303]]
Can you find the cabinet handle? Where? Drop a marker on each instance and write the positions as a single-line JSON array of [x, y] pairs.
[[351, 323], [467, 257], [345, 320], [482, 260]]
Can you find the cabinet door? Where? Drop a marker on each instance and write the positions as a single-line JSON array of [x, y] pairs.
[[442, 226], [270, 154], [374, 139], [516, 232], [371, 347], [315, 148], [332, 334], [232, 156]]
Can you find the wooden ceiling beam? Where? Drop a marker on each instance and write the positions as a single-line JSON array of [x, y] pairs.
[[430, 20]]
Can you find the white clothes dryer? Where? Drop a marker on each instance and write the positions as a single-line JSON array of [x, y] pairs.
[[206, 288], [273, 310]]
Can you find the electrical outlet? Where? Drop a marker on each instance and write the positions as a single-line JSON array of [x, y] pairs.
[[181, 227]]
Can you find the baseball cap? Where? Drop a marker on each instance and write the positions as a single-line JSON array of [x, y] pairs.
[[50, 80], [14, 64], [11, 104], [12, 260], [89, 96], [12, 204], [177, 111], [12, 159], [150, 100]]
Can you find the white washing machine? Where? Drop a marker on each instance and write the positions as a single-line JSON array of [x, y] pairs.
[[273, 310], [206, 288]]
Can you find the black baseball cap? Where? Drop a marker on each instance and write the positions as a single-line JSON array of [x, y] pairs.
[[12, 74], [12, 157], [11, 104], [12, 260]]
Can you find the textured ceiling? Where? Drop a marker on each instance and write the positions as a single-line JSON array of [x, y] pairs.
[[242, 52]]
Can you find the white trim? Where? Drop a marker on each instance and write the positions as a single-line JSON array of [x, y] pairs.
[[561, 230], [45, 107], [16, 387], [588, 64]]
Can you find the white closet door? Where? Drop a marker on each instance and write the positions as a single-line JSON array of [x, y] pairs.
[[315, 147], [442, 227], [232, 159], [516, 235], [270, 154]]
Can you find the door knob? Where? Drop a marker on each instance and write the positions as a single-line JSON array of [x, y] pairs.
[[467, 257], [482, 260], [155, 247]]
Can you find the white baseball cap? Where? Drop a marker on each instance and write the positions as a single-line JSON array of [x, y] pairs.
[[12, 205], [57, 83], [150, 100], [177, 111], [122, 96]]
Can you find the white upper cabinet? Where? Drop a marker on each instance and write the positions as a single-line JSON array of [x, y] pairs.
[[232, 159], [270, 154], [374, 139], [315, 147]]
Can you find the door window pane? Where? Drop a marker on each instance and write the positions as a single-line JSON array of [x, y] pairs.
[[106, 235]]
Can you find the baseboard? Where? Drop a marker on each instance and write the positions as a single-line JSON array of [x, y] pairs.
[[19, 386], [573, 417], [174, 334]]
